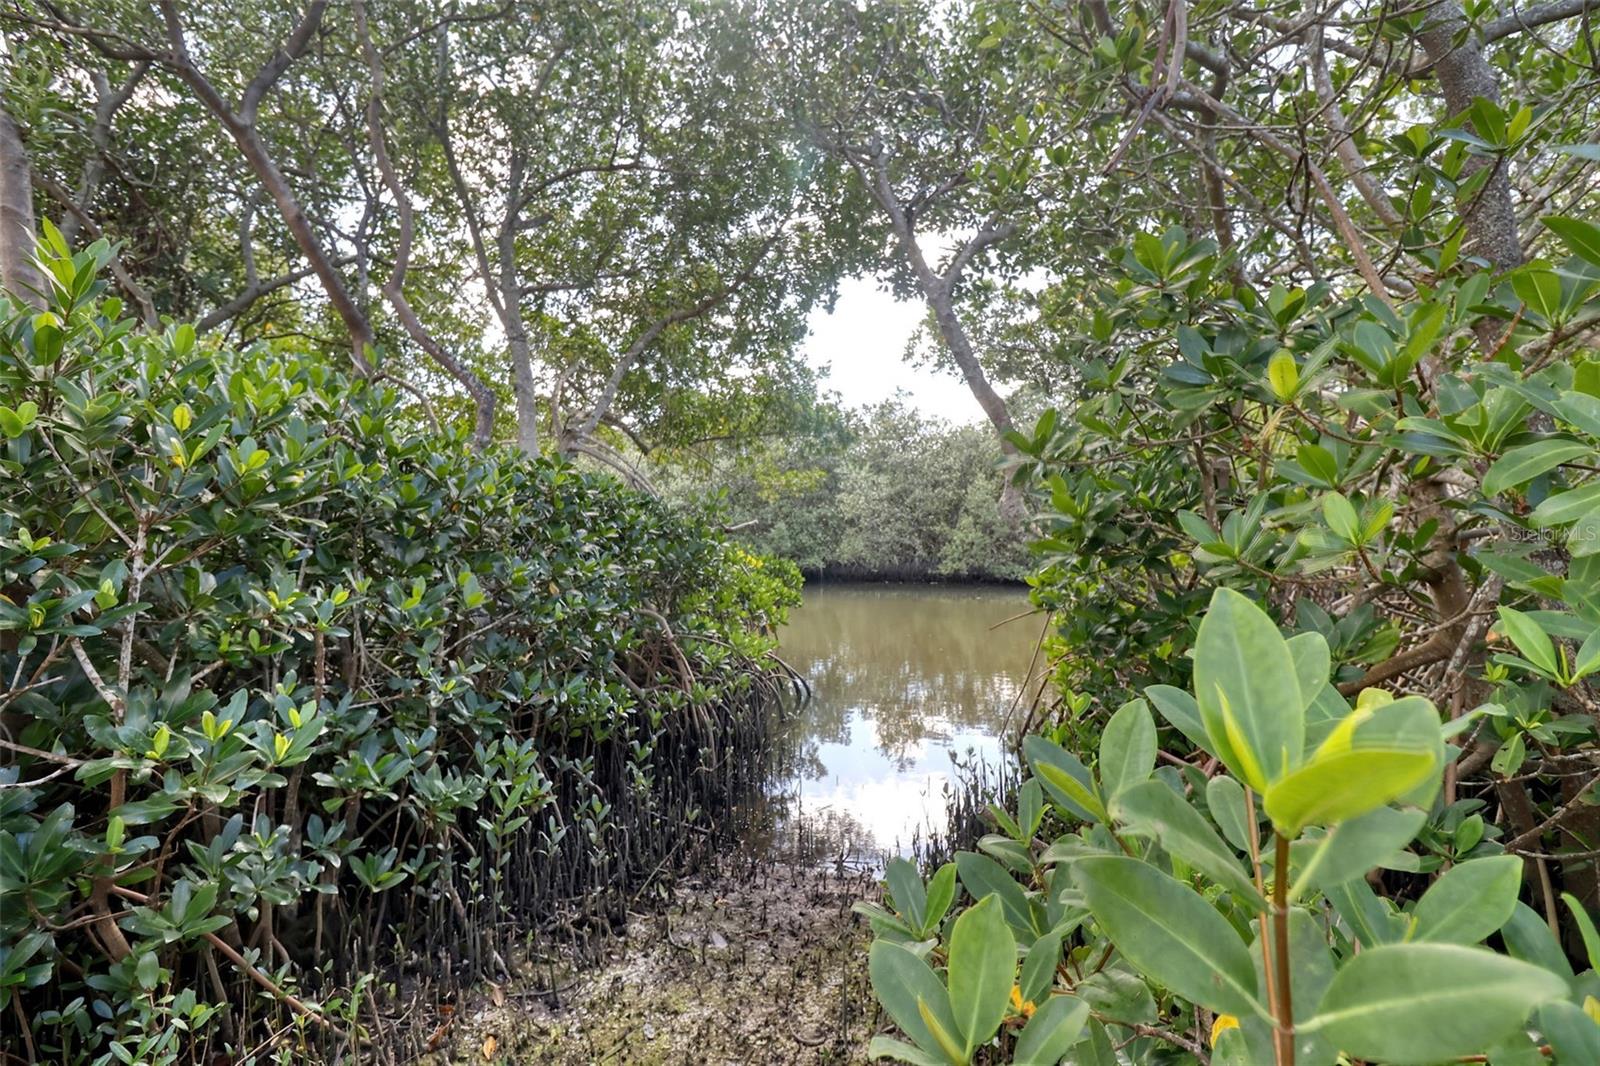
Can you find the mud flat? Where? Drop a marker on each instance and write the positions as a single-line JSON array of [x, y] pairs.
[[766, 965]]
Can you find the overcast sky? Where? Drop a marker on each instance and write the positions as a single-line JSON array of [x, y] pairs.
[[863, 343]]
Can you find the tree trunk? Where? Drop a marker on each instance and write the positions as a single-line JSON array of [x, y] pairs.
[[1464, 74], [18, 235], [510, 310]]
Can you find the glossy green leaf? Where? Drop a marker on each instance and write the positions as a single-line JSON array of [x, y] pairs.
[[1530, 638], [1581, 236], [1566, 506], [1521, 465], [1167, 930]]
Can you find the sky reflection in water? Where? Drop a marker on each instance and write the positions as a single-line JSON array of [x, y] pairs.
[[902, 676]]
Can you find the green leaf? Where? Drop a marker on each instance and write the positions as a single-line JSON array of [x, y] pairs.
[[1579, 235], [1586, 929], [1540, 289], [148, 971], [1341, 517], [1580, 409], [1353, 847], [941, 893], [906, 891], [1181, 712], [1319, 463], [1565, 507], [1066, 779], [886, 1047], [983, 960], [1531, 640], [1225, 800], [1470, 902], [1573, 1035], [1372, 919], [1583, 538], [1039, 968], [1337, 786], [1169, 932], [1429, 1003], [907, 987], [1312, 664], [1052, 1030], [982, 876], [1127, 748], [1247, 690], [1283, 375], [1159, 811], [1528, 937], [1521, 465]]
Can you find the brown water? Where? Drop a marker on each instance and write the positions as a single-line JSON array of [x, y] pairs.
[[904, 678]]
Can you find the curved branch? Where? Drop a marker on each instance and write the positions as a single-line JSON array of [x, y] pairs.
[[483, 397]]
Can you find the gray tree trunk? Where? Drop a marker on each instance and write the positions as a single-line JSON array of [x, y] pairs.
[[1464, 74], [18, 234]]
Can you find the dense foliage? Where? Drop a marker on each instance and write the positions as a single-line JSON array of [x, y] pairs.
[[1314, 291], [880, 493], [295, 701], [1225, 912]]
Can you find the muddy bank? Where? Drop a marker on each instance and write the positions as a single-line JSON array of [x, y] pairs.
[[762, 966]]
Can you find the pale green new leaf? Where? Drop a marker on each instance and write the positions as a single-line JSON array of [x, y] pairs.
[[1338, 786]]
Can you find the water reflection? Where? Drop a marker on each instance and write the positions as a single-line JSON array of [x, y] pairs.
[[903, 676]]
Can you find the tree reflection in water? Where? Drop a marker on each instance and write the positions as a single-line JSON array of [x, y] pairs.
[[903, 676]]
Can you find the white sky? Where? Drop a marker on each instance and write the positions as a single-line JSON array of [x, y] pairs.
[[863, 344]]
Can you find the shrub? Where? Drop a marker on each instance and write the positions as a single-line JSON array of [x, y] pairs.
[[294, 697], [1232, 909]]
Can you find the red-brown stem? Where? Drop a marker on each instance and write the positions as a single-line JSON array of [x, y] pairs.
[[1283, 1032], [1267, 967]]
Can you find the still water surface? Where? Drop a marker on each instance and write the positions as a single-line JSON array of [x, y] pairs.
[[903, 676]]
